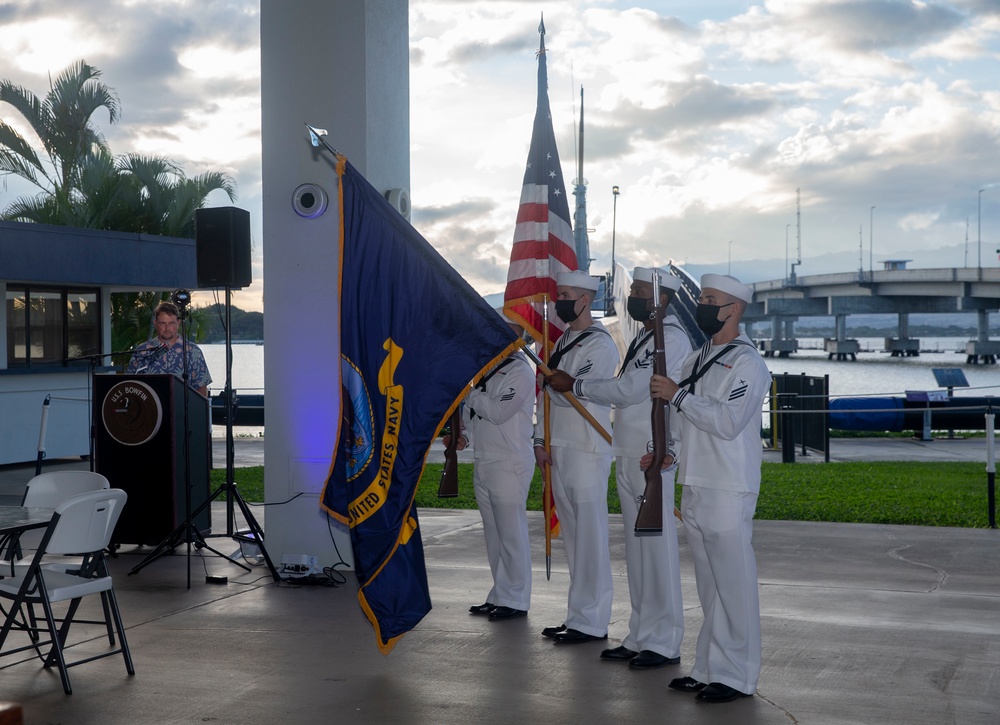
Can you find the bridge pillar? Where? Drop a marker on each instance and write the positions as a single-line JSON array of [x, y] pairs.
[[903, 345], [782, 342], [839, 347], [982, 349]]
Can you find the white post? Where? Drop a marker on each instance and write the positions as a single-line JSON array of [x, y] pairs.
[[342, 66]]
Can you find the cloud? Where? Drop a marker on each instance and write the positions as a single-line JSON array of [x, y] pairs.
[[707, 116], [874, 25], [465, 209], [479, 51], [701, 103]]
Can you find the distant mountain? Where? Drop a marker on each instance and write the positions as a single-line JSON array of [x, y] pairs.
[[246, 325], [761, 270]]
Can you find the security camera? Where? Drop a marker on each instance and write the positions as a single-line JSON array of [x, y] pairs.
[[309, 201], [400, 201]]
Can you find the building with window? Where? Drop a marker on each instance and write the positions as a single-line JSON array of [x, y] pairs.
[[55, 324]]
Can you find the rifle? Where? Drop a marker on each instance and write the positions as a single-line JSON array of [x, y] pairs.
[[448, 488], [649, 520]]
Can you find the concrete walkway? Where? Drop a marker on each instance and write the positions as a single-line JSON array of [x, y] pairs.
[[861, 624]]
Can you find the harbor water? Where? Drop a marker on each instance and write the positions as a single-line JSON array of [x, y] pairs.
[[874, 373]]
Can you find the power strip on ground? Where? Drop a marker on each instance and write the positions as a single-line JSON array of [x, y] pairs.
[[299, 565]]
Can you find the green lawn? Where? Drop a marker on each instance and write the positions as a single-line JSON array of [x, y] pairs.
[[924, 494]]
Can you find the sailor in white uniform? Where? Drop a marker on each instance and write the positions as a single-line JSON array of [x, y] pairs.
[[498, 426], [719, 406], [581, 464], [656, 625]]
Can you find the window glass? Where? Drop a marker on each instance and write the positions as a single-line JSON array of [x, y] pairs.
[[16, 327], [83, 322], [50, 326], [45, 326]]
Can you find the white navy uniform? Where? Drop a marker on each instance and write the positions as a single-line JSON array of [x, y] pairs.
[[720, 470], [499, 426], [652, 562], [581, 464]]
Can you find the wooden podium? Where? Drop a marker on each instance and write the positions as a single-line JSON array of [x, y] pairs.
[[139, 448]]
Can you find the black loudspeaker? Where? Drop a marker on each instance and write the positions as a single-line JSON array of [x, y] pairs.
[[222, 238]]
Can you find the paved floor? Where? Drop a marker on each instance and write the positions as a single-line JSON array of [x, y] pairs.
[[861, 624]]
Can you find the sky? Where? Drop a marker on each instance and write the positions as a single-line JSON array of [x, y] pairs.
[[712, 117]]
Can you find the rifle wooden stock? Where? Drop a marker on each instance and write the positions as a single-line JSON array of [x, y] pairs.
[[649, 520], [448, 488]]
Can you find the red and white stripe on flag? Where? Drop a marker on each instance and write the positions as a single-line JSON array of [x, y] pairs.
[[542, 249]]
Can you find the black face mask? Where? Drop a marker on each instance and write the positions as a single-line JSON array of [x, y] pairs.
[[566, 310], [638, 308], [707, 318]]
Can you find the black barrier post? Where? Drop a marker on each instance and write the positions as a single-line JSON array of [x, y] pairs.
[[787, 428], [990, 465], [804, 385]]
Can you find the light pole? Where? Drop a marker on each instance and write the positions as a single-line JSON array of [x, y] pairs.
[[614, 223], [871, 242], [979, 232], [786, 250], [730, 269]]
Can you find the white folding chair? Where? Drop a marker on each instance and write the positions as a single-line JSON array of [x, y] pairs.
[[49, 489], [81, 526]]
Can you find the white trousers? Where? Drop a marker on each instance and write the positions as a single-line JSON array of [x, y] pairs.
[[580, 490], [719, 527], [653, 565], [501, 489]]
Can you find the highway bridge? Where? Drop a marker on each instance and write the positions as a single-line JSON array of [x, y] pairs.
[[895, 290]]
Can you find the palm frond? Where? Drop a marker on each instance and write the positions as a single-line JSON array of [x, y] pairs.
[[27, 104]]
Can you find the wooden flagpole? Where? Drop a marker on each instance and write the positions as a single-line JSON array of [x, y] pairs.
[[547, 469]]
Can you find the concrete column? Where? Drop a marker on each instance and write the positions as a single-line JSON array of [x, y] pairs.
[[982, 349], [342, 66], [782, 342], [902, 345], [840, 348]]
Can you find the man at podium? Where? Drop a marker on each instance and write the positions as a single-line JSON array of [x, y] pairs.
[[165, 352]]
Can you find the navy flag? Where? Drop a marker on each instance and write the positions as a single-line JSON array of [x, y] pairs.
[[413, 336]]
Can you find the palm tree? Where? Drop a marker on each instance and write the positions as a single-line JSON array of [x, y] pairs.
[[62, 123], [82, 184]]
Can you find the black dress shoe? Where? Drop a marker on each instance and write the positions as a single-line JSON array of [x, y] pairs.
[[618, 654], [717, 692], [484, 608], [507, 613], [649, 660], [575, 636], [553, 631], [686, 684]]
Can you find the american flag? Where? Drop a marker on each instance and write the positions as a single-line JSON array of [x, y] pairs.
[[543, 237]]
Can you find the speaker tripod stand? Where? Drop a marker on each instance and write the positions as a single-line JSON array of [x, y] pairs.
[[255, 533]]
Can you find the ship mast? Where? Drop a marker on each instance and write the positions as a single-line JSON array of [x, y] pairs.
[[580, 239]]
